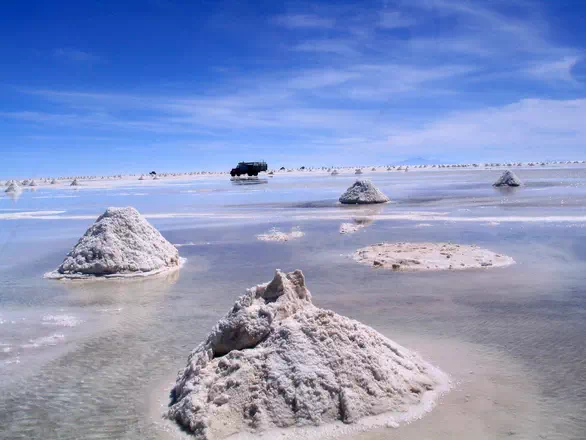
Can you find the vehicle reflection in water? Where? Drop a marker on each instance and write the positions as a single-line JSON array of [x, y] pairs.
[[248, 181]]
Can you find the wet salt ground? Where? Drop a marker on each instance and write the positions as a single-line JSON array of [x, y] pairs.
[[513, 338]]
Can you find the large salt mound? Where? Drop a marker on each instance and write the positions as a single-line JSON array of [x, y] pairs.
[[508, 178], [363, 192], [277, 361], [120, 243]]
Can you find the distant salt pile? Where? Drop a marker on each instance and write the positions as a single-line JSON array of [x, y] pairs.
[[335, 173], [53, 182], [276, 235], [358, 171], [277, 361], [363, 192], [32, 183], [13, 187], [508, 179], [429, 256], [141, 177], [74, 183], [121, 243]]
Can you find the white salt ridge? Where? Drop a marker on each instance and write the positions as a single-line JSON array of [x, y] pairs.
[[350, 228], [276, 235], [430, 256], [44, 341], [276, 361], [61, 320], [363, 192], [508, 178], [359, 223], [121, 243]]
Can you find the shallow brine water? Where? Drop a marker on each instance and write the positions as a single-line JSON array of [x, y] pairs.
[[96, 359]]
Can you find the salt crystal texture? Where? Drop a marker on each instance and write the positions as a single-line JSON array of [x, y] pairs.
[[277, 361], [508, 179], [120, 243], [363, 192]]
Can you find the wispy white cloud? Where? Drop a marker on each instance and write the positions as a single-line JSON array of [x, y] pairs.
[[530, 126], [559, 70], [395, 20], [300, 21], [76, 55], [334, 46]]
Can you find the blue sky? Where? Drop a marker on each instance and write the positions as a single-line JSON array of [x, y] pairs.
[[112, 87]]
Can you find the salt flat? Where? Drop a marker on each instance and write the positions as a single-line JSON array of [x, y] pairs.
[[106, 353]]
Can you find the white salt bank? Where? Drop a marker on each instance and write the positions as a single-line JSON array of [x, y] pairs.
[[508, 178], [429, 256], [363, 192], [276, 235], [121, 243], [277, 361]]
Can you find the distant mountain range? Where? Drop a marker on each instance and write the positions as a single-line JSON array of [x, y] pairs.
[[418, 161]]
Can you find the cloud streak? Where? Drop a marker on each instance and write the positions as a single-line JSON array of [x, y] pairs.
[[304, 21]]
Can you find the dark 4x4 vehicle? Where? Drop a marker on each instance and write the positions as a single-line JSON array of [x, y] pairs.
[[248, 168]]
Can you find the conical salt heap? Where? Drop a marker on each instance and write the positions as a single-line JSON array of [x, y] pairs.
[[363, 192], [74, 183], [275, 361], [13, 188], [120, 243], [508, 179]]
